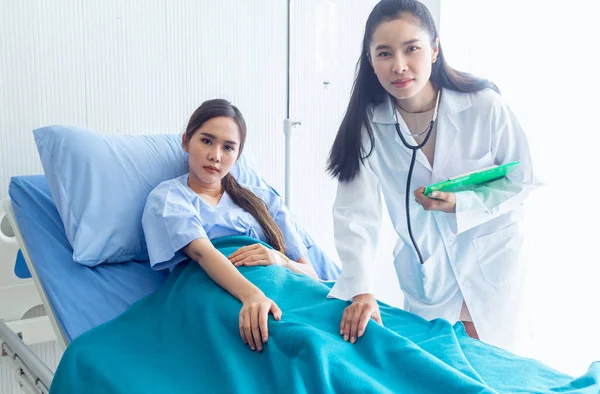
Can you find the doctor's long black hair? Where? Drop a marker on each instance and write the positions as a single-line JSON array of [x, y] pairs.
[[348, 152], [242, 197]]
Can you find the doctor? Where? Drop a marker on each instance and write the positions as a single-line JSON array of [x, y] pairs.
[[467, 266]]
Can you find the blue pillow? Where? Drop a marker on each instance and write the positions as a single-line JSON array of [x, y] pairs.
[[99, 183]]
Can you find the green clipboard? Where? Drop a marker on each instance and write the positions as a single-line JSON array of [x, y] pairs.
[[472, 180]]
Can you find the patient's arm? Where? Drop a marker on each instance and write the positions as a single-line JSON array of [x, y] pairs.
[[216, 266], [258, 254], [256, 306], [302, 266]]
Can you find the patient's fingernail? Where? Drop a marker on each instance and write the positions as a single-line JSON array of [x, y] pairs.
[[352, 340], [345, 337], [264, 339], [434, 194]]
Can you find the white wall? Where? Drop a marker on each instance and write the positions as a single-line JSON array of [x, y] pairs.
[[139, 67]]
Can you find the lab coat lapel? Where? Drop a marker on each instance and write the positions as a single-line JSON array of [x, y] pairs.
[[383, 113], [448, 128]]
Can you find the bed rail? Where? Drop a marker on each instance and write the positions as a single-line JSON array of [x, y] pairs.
[[59, 335], [31, 373]]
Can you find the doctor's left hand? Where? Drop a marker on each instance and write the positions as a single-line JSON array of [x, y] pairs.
[[436, 201], [256, 254]]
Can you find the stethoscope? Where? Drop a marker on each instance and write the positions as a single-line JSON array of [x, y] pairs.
[[414, 149]]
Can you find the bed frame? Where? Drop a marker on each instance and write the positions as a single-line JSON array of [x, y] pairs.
[[17, 296]]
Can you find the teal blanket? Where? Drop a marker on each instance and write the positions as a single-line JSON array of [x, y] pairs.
[[184, 338]]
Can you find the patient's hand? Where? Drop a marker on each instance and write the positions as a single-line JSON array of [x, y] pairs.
[[256, 254], [254, 315], [357, 315]]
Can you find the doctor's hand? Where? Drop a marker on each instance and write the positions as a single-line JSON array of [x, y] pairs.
[[436, 201], [357, 315], [254, 316], [256, 254]]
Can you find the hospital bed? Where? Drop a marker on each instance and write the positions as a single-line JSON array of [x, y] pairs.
[[79, 299], [76, 298]]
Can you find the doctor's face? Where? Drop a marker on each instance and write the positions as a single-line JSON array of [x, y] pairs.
[[213, 150], [402, 56]]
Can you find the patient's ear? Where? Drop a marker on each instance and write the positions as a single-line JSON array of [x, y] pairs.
[[184, 143]]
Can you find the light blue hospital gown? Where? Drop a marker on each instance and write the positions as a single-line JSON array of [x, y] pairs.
[[175, 215]]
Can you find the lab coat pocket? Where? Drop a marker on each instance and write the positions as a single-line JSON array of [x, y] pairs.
[[498, 255], [421, 281]]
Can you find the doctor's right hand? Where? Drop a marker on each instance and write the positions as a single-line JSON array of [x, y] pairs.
[[357, 315], [254, 316]]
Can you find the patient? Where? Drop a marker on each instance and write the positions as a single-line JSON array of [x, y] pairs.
[[182, 215]]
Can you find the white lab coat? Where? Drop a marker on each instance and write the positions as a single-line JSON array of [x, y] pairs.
[[471, 255]]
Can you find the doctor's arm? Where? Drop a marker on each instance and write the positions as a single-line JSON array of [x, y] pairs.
[[496, 198], [256, 306], [357, 220]]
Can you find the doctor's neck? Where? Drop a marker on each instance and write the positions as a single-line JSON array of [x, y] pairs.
[[421, 102]]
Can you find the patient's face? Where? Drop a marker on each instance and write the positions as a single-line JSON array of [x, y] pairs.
[[213, 150]]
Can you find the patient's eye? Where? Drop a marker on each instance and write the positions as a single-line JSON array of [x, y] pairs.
[[412, 48], [229, 148], [384, 54], [206, 141]]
